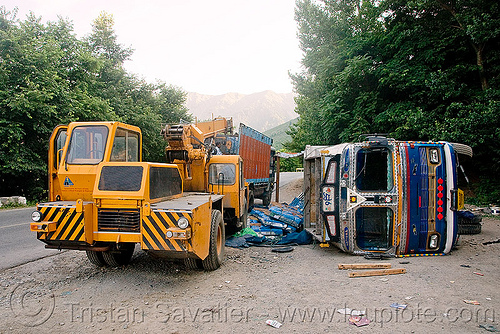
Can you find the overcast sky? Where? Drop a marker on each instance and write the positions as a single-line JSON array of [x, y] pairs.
[[208, 47]]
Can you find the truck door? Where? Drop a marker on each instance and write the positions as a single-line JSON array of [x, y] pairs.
[[56, 145], [330, 199]]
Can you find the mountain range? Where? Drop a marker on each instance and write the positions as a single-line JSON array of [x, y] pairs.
[[261, 111]]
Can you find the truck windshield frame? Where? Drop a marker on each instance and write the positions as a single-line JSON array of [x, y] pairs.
[[374, 226], [87, 145], [222, 173], [374, 170]]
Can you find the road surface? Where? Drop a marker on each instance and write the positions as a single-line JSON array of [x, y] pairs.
[[18, 245]]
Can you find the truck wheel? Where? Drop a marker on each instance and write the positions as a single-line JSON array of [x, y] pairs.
[[469, 229], [217, 240], [96, 258], [193, 263], [266, 199], [116, 258]]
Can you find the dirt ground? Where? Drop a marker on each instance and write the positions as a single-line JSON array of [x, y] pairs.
[[303, 290]]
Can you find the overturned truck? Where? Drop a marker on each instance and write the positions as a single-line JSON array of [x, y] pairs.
[[383, 195]]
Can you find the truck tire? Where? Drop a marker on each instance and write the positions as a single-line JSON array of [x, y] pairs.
[[217, 240], [469, 229], [193, 263], [121, 257], [96, 258]]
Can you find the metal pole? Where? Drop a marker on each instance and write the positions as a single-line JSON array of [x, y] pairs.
[[278, 179]]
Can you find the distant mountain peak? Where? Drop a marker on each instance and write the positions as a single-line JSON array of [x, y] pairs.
[[262, 111]]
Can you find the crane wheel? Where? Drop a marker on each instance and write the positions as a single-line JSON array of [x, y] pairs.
[[217, 241], [193, 263], [96, 258], [121, 257]]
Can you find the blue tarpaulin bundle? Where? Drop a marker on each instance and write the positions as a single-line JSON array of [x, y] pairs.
[[277, 225]]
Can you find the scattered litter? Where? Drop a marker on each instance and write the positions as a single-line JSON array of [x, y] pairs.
[[409, 297], [399, 306], [472, 302], [227, 282], [384, 279], [348, 311], [452, 282], [489, 328], [66, 293], [479, 274], [488, 298], [465, 265], [273, 323], [358, 321], [404, 262]]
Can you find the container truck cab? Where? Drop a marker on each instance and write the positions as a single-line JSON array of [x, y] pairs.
[[383, 195]]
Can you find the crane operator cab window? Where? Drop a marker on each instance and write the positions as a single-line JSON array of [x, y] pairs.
[[125, 146], [87, 145]]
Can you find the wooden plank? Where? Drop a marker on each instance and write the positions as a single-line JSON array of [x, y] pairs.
[[382, 272], [343, 266]]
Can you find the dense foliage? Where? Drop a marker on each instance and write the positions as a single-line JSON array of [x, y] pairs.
[[48, 77], [415, 70]]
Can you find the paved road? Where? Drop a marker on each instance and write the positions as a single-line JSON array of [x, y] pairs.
[[18, 245]]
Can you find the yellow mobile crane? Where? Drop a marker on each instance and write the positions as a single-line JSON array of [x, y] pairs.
[[104, 200]]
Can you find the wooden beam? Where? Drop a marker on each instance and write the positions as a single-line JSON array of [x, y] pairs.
[[343, 266], [382, 272]]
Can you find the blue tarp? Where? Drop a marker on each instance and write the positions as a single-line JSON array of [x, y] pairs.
[[277, 225]]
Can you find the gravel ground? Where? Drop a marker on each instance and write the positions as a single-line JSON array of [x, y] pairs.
[[303, 290]]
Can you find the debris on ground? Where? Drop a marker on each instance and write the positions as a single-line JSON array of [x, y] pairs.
[[471, 302], [359, 321], [280, 224], [381, 272], [399, 306], [489, 328], [348, 311], [273, 323]]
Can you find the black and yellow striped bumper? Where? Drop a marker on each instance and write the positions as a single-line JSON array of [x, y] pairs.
[[60, 222], [160, 232]]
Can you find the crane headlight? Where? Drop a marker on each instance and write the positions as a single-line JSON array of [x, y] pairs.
[[183, 223]]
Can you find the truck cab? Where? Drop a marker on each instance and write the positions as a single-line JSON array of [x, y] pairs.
[[383, 196]]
